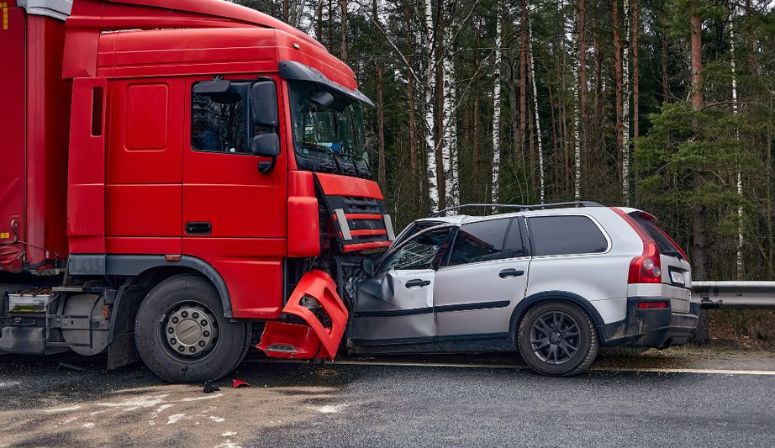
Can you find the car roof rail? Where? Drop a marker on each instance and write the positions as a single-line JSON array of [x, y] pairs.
[[519, 207]]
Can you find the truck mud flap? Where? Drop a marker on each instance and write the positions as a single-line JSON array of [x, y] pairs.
[[316, 302]]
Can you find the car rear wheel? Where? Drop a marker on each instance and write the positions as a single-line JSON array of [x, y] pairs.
[[557, 338], [182, 335]]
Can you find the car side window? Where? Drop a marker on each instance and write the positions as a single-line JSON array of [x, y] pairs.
[[565, 235], [219, 121], [479, 241], [417, 253], [514, 246]]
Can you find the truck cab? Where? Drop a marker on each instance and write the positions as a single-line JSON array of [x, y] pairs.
[[198, 158]]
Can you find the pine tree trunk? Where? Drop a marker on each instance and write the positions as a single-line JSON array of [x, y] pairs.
[[635, 70], [740, 240], [665, 60], [582, 86], [286, 11], [319, 21], [699, 241], [626, 107], [618, 80], [496, 114], [343, 30], [523, 39], [381, 176]]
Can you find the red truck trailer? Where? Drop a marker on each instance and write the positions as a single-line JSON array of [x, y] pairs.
[[180, 180]]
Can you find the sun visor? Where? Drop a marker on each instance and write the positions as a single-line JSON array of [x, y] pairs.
[[300, 72]]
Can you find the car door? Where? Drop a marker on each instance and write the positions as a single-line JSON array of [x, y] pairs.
[[396, 303], [484, 279]]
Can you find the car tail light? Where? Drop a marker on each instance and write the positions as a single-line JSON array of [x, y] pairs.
[[647, 268], [655, 305]]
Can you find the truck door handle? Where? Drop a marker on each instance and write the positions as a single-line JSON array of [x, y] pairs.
[[198, 228], [417, 283], [510, 273]]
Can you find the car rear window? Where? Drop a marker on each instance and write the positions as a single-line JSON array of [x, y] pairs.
[[565, 235], [479, 241], [666, 246]]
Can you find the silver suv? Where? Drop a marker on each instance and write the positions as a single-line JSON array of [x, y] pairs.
[[554, 281]]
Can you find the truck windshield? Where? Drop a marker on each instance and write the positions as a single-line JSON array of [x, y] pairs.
[[328, 137]]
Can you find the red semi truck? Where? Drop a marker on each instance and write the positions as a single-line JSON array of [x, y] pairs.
[[180, 180]]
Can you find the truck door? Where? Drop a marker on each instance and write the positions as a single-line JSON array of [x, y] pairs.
[[234, 215], [397, 302], [485, 278]]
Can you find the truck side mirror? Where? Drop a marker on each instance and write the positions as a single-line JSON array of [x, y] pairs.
[[266, 145], [263, 104]]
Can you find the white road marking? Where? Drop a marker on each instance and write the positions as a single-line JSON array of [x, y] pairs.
[[67, 409], [524, 367], [329, 409], [174, 418], [7, 384], [229, 434], [206, 397], [88, 425], [216, 419]]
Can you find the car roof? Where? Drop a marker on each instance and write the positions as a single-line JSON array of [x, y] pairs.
[[466, 219]]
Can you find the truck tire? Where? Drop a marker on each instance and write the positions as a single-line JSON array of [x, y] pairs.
[[557, 338], [182, 335]]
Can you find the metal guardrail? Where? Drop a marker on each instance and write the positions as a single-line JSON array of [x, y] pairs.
[[735, 294]]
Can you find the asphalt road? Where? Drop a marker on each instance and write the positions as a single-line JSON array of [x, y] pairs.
[[459, 402]]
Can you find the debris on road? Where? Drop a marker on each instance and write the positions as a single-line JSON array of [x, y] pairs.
[[237, 383], [210, 387]]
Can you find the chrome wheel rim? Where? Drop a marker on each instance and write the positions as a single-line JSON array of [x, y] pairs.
[[189, 330], [555, 337]]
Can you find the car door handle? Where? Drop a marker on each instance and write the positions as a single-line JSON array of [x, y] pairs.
[[417, 283], [198, 228], [510, 273]]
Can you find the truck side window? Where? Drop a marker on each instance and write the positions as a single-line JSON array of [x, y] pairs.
[[219, 121]]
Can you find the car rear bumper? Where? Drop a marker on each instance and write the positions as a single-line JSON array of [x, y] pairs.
[[651, 327]]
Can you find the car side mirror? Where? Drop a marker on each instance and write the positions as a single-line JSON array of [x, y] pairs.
[[266, 145], [263, 104]]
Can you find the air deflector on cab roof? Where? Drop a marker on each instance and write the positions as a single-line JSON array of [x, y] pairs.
[[300, 72]]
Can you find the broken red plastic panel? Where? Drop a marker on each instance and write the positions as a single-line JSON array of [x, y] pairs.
[[236, 383], [314, 296]]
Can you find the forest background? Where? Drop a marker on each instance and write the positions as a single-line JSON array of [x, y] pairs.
[[667, 106]]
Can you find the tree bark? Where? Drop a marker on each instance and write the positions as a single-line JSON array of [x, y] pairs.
[[496, 113], [665, 60], [635, 70], [618, 77], [430, 147], [449, 121], [343, 30], [540, 151], [626, 106], [582, 86], [698, 228], [523, 32], [286, 11], [739, 273]]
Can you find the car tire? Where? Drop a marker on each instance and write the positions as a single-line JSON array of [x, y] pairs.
[[568, 331], [182, 335]]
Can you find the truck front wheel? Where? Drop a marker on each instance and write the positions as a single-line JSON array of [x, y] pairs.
[[182, 335]]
